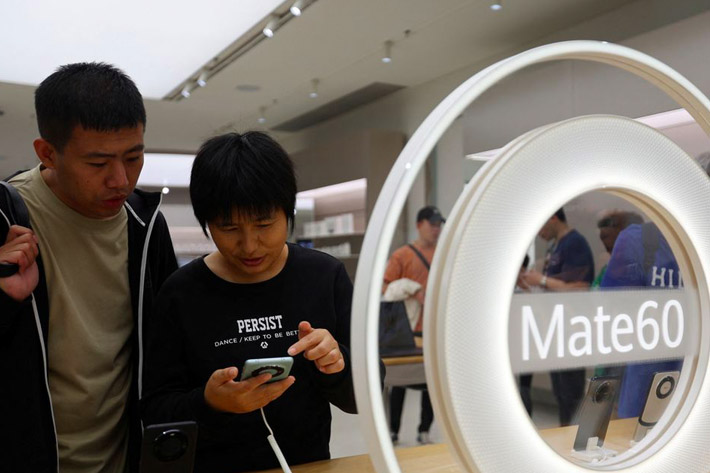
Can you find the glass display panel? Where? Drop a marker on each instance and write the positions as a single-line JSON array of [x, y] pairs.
[[604, 330]]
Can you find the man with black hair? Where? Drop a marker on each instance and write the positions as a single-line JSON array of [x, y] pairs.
[[569, 265], [610, 225], [412, 261], [257, 296], [83, 252]]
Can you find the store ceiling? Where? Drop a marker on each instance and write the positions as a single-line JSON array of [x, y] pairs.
[[339, 42]]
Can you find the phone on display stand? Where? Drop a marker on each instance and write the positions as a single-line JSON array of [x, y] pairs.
[[595, 412], [659, 395], [169, 447], [278, 368]]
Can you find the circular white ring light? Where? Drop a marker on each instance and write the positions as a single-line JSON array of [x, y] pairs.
[[399, 182], [467, 350]]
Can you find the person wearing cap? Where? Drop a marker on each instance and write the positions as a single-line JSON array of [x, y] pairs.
[[412, 261]]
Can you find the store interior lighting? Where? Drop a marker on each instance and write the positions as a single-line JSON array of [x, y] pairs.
[[262, 115], [297, 8], [202, 80], [166, 170], [497, 5], [186, 92], [314, 89], [84, 31], [387, 58], [270, 27]]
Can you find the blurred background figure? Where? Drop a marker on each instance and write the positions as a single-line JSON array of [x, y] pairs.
[[569, 265], [412, 261], [610, 225]]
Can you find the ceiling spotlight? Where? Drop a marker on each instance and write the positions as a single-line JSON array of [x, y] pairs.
[[387, 58], [185, 91], [262, 115], [166, 190], [202, 80], [497, 5], [270, 27], [314, 88], [297, 8]]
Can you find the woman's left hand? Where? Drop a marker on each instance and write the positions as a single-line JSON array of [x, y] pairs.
[[318, 345]]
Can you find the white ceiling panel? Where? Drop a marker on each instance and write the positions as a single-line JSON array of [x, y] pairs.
[[158, 43]]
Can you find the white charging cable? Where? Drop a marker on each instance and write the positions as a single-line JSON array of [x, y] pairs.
[[275, 446]]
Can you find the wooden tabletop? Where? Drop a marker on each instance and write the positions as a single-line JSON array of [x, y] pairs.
[[437, 458], [427, 458], [403, 360]]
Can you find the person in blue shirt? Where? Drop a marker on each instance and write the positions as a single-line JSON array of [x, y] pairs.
[[610, 225], [642, 258], [569, 265]]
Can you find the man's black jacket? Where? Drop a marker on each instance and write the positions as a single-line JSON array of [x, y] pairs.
[[27, 436]]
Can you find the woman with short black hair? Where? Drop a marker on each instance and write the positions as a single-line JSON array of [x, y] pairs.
[[257, 296]]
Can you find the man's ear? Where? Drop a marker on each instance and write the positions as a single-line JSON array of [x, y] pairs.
[[46, 153]]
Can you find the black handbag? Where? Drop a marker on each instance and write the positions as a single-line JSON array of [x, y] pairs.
[[396, 337]]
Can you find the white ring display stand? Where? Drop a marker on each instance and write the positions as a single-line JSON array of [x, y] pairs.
[[467, 359]]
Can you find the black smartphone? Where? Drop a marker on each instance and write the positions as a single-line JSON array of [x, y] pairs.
[[659, 395], [169, 447], [595, 411]]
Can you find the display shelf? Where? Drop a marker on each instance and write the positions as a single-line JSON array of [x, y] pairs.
[[332, 235]]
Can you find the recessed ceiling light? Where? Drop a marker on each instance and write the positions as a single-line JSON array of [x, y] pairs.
[[496, 6], [202, 80], [387, 58], [248, 88], [297, 8], [314, 89], [270, 27]]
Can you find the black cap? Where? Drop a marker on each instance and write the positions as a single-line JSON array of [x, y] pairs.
[[430, 213]]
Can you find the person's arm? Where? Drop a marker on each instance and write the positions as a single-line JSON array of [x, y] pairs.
[[170, 395], [576, 272], [536, 278], [167, 394], [330, 353]]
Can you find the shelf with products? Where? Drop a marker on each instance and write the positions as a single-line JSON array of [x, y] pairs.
[[330, 236], [330, 215]]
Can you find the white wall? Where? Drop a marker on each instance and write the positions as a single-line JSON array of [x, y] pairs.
[[555, 91], [541, 95]]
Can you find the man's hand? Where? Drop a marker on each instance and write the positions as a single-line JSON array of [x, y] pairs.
[[532, 277], [20, 248], [222, 393], [319, 346]]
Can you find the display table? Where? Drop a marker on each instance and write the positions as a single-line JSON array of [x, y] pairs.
[[620, 432], [425, 458], [437, 458], [405, 370]]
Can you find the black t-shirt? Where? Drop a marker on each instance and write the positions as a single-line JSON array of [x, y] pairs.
[[570, 259], [204, 323]]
